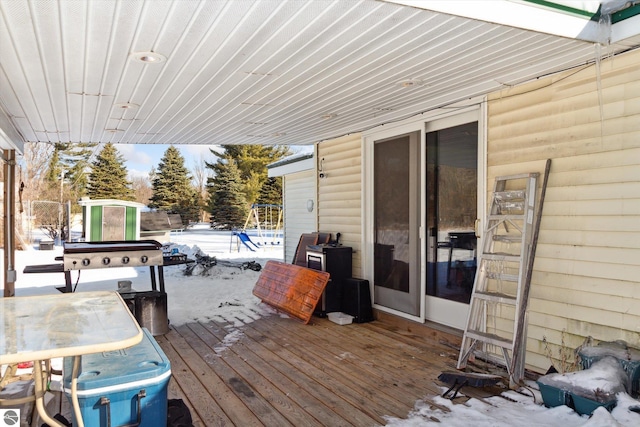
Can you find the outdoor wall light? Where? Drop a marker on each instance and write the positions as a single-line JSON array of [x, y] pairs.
[[321, 172], [310, 205]]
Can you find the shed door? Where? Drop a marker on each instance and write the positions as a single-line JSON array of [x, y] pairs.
[[113, 223]]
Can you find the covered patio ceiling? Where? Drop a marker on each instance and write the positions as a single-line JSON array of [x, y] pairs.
[[271, 71]]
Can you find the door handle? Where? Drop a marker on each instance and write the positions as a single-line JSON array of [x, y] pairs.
[[476, 227]]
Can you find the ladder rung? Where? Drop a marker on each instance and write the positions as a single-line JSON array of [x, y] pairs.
[[502, 276], [518, 176], [511, 206], [507, 239], [509, 195], [497, 217], [496, 297], [500, 257], [492, 339]]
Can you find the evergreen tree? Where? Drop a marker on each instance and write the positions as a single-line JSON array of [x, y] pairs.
[[271, 192], [172, 189], [252, 161], [108, 177], [190, 207], [227, 204]]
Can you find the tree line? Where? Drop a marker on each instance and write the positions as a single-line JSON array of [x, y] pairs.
[[223, 189]]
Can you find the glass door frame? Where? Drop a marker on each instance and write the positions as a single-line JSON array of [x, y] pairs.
[[431, 308], [441, 310], [368, 222], [408, 299]]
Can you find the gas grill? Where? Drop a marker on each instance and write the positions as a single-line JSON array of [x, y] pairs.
[[150, 307], [90, 255], [110, 254]]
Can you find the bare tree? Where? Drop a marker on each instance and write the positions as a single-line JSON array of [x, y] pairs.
[[201, 173], [142, 190], [33, 169]]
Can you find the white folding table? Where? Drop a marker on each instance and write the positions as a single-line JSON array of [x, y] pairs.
[[40, 328]]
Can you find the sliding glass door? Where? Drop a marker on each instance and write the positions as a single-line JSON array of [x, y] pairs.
[[427, 192], [396, 224]]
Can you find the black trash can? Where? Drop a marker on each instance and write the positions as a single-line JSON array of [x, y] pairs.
[[356, 300]]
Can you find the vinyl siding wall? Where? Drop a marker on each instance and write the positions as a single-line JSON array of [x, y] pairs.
[[586, 280], [298, 188], [340, 193]]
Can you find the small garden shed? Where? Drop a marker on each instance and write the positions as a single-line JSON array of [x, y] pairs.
[[108, 219]]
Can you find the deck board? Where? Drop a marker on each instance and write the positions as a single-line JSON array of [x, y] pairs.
[[206, 385], [326, 384], [277, 371], [268, 382], [241, 378], [365, 381], [359, 366], [396, 363]]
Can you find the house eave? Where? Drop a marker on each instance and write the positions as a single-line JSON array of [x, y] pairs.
[[291, 164], [548, 17]]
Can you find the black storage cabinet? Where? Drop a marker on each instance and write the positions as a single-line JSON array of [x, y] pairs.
[[335, 260]]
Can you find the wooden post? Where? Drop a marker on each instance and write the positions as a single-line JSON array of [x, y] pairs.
[[9, 272]]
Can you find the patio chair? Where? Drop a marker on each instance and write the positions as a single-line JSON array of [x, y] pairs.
[[306, 239]]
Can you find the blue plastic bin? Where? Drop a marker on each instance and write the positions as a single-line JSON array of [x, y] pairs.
[[554, 396], [586, 406], [123, 385]]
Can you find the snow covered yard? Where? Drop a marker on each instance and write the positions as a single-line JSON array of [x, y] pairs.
[[223, 292], [224, 295]]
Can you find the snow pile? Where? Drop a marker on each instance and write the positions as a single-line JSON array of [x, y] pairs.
[[618, 349], [513, 409]]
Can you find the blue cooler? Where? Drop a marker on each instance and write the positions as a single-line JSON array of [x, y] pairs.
[[123, 387]]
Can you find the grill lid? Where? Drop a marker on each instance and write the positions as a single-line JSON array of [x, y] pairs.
[[111, 246]]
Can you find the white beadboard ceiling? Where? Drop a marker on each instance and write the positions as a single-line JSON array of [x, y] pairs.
[[242, 71]]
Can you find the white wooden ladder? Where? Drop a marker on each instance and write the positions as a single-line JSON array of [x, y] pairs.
[[497, 312]]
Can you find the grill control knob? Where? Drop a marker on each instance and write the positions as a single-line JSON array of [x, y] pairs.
[[144, 259], [125, 260], [106, 261], [86, 262]]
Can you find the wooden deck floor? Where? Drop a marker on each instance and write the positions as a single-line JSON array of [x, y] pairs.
[[277, 371]]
